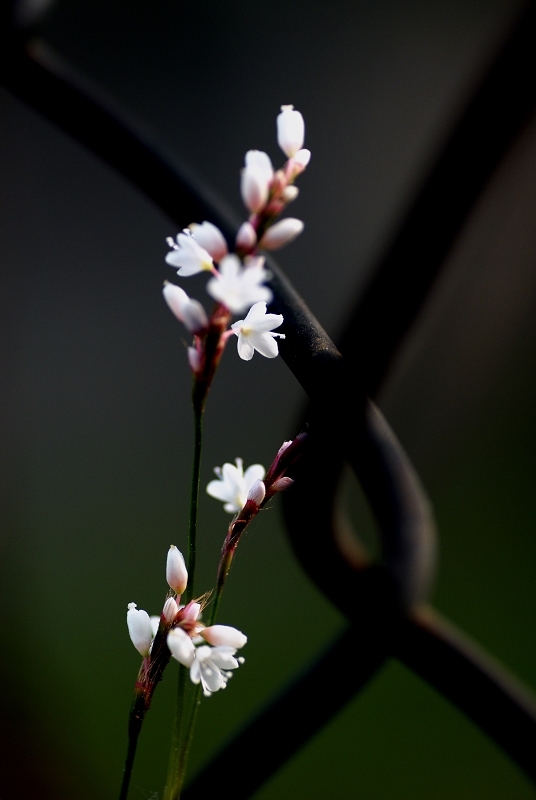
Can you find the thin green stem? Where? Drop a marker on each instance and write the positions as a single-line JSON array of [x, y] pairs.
[[194, 501], [137, 714], [181, 729], [187, 741], [174, 757]]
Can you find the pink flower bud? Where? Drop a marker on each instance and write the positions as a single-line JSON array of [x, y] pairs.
[[257, 492], [246, 238], [281, 484], [170, 610], [225, 636], [191, 612], [290, 130], [194, 360], [181, 646], [281, 233], [140, 629], [176, 574]]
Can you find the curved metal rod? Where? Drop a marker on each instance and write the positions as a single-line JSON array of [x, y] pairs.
[[309, 354]]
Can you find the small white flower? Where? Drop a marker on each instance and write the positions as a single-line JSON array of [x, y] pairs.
[[211, 667], [233, 484], [181, 646], [189, 256], [176, 573], [255, 332], [290, 130], [188, 311], [211, 238], [281, 233], [238, 287], [155, 624], [225, 636], [140, 629]]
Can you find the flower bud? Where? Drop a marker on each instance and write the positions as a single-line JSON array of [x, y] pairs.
[[194, 316], [181, 646], [281, 484], [188, 311], [281, 233], [290, 193], [259, 160], [254, 188], [257, 492], [210, 238], [224, 635], [176, 574], [191, 612], [246, 238], [300, 160], [140, 630], [170, 610], [290, 130], [194, 360]]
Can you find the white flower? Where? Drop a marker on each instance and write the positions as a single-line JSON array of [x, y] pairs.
[[238, 287], [140, 629], [211, 238], [281, 233], [189, 256], [255, 180], [211, 667], [224, 636], [188, 311], [255, 332], [290, 130], [233, 484], [176, 573], [181, 646]]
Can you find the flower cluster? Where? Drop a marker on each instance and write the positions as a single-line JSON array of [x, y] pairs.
[[208, 652], [237, 281]]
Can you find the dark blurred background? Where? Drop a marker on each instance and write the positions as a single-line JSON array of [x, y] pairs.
[[95, 414]]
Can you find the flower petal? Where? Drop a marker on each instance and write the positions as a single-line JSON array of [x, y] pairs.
[[265, 344], [254, 473]]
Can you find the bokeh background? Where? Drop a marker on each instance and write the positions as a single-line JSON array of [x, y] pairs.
[[95, 418]]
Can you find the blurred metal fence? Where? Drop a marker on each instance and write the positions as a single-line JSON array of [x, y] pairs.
[[385, 603]]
